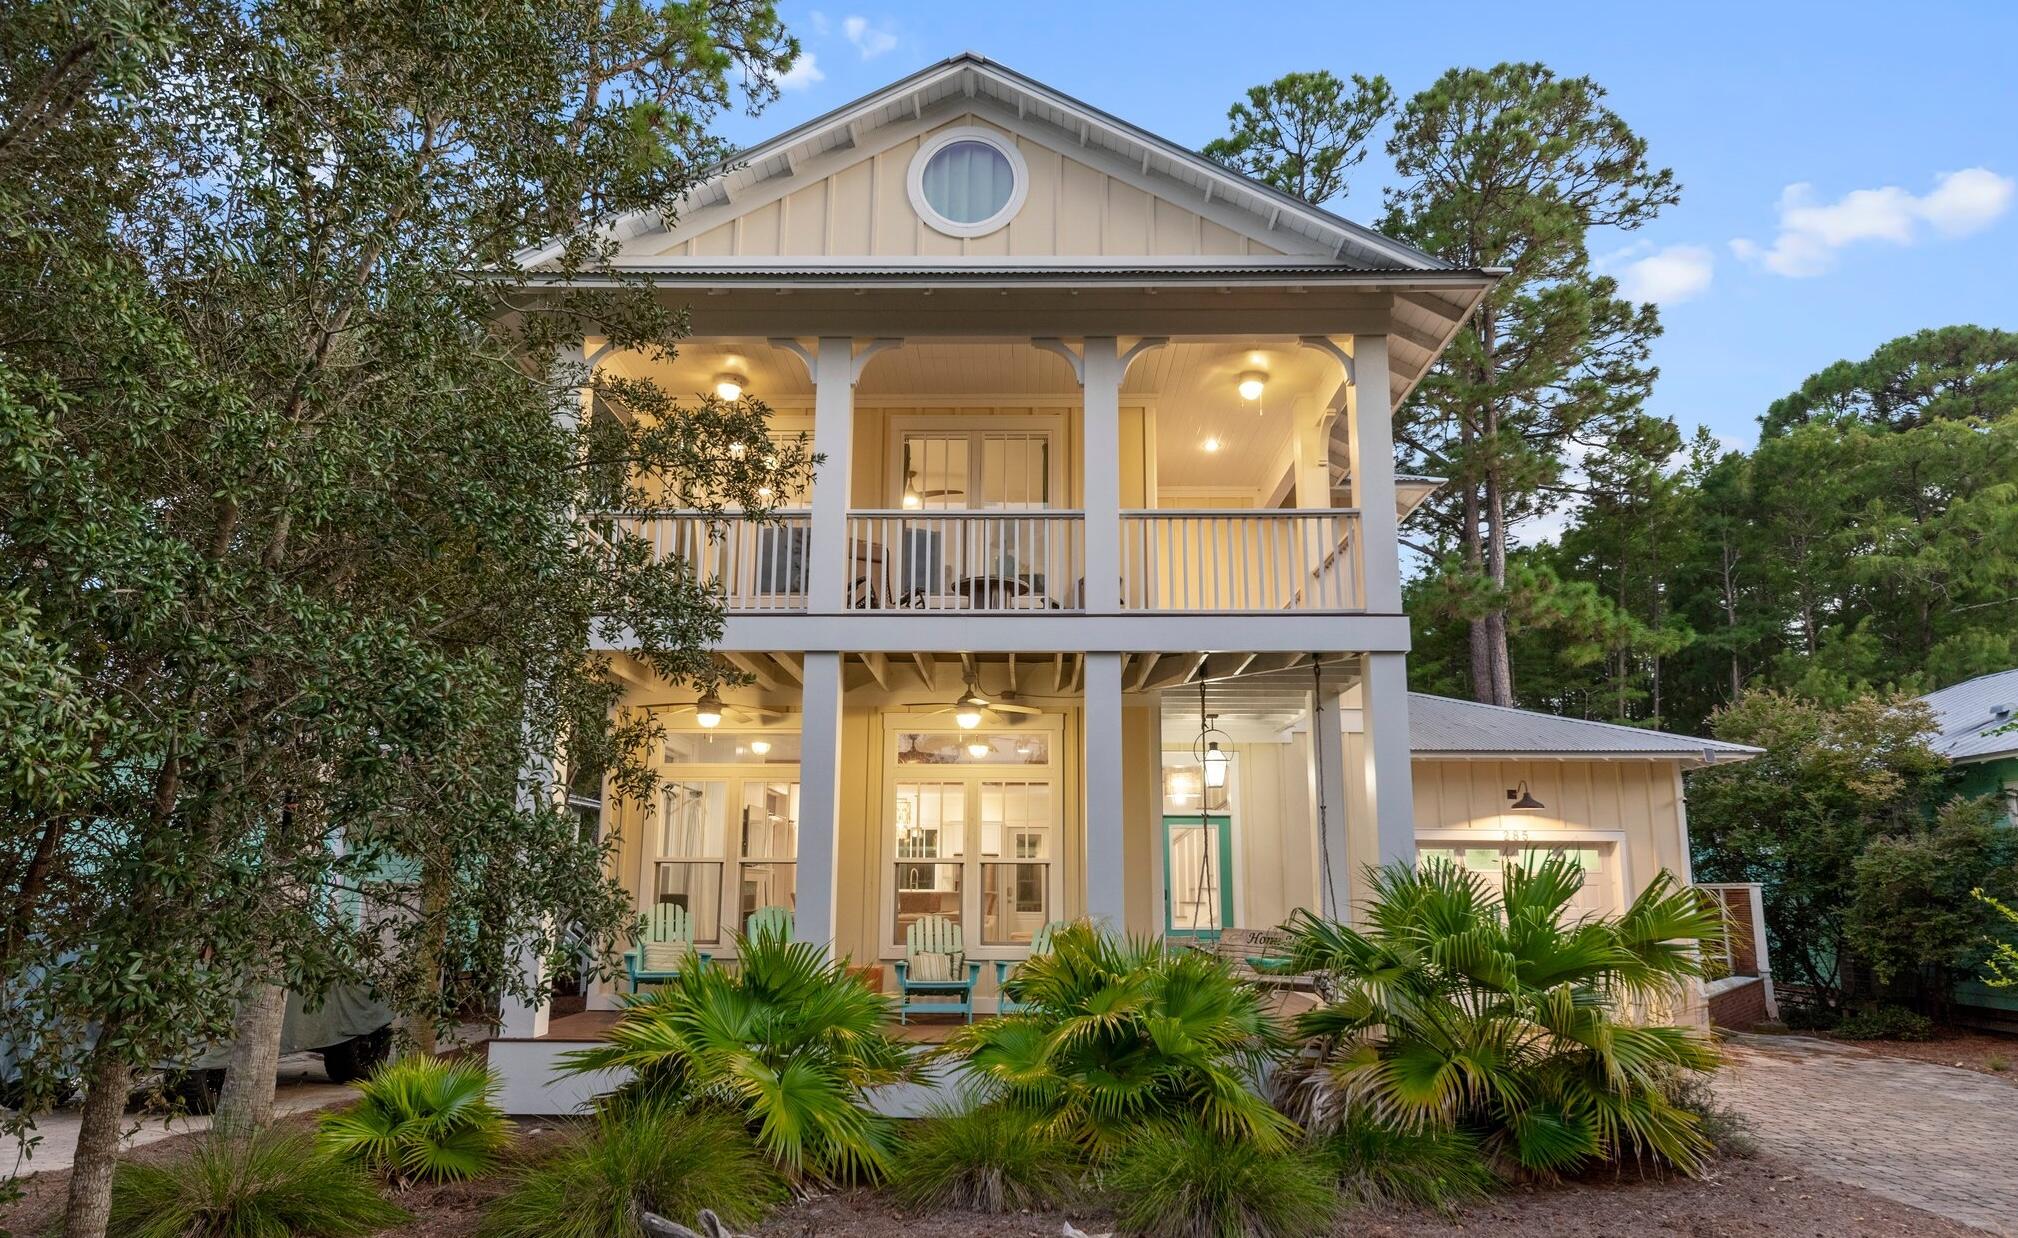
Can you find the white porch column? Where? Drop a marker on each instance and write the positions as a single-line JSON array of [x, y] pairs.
[[1102, 366], [819, 797], [1106, 883], [1329, 810], [828, 572], [1371, 439], [1390, 775]]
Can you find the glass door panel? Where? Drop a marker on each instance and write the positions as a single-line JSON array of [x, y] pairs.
[[1198, 870]]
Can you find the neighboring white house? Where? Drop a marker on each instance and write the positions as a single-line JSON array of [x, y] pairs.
[[1108, 481]]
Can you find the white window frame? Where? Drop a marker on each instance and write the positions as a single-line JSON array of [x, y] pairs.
[[970, 860], [735, 778], [1019, 181], [1623, 885], [976, 428]]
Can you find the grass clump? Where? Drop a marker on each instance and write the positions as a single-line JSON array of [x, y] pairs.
[[1381, 1166], [996, 1158], [422, 1119], [1188, 1182], [267, 1186], [644, 1156]]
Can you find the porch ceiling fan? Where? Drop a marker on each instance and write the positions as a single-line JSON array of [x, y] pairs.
[[710, 712], [971, 707]]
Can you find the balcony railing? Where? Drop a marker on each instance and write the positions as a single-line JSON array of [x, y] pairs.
[[912, 562], [758, 567], [1233, 560], [966, 561]]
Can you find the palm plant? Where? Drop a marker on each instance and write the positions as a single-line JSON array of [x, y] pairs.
[[1507, 1018], [421, 1119], [993, 1158], [1115, 1034], [789, 1039]]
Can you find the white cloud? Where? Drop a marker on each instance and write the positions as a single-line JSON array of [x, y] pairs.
[[1812, 232], [818, 21], [803, 75], [1667, 276], [871, 41]]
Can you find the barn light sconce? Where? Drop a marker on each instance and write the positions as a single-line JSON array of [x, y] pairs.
[[1523, 800]]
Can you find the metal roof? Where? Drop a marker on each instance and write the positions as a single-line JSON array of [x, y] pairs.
[[1445, 726], [1972, 717]]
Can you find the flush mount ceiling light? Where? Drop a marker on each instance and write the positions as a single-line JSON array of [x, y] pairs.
[[1209, 445], [978, 748], [1252, 384], [1523, 801], [708, 710], [729, 385], [760, 746]]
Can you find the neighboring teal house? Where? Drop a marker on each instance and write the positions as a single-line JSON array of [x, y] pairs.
[[1978, 731]]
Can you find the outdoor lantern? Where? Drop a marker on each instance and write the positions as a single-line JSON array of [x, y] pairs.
[[729, 385], [1215, 766], [1252, 383], [708, 710], [1522, 800]]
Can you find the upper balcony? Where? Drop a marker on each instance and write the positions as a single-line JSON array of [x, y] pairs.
[[966, 474]]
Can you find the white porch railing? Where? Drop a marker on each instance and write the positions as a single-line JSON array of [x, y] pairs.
[[966, 560], [757, 566], [1235, 560]]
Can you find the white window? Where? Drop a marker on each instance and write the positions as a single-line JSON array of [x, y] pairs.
[[726, 839], [968, 181], [973, 835]]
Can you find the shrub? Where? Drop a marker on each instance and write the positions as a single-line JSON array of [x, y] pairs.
[[1504, 1016], [992, 1159], [643, 1157], [268, 1186], [1885, 1023], [1727, 1130], [1381, 1165], [1809, 1016], [1114, 1034], [421, 1119], [1188, 1182], [788, 1039]]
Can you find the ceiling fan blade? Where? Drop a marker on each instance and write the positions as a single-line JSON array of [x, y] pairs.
[[1007, 707]]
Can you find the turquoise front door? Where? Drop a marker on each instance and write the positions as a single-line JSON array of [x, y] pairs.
[[1197, 875]]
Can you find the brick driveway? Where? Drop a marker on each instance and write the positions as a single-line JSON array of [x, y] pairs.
[[1931, 1136]]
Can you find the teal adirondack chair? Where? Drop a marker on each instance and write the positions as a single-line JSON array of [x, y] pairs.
[[665, 923], [1040, 944], [776, 921], [936, 935]]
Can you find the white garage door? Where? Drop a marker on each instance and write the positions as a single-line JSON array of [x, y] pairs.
[[1599, 860]]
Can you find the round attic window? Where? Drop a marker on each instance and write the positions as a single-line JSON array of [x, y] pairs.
[[968, 182]]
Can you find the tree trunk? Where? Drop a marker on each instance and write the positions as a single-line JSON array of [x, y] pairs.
[[90, 1203], [434, 894], [246, 1106]]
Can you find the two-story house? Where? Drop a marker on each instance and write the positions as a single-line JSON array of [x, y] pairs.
[[1105, 536]]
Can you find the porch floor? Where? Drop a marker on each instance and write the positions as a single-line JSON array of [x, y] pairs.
[[923, 1029]]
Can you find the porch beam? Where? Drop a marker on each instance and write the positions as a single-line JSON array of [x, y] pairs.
[[747, 663], [1390, 780], [1101, 370], [792, 666], [1145, 664], [819, 799], [879, 668], [927, 671], [1370, 410], [1105, 867]]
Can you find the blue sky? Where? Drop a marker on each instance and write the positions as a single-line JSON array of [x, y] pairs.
[[1869, 106]]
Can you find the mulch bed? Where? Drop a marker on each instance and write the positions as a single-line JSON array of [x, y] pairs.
[[1984, 1052], [1749, 1197]]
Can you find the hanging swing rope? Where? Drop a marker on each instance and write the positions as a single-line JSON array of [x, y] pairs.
[[1325, 898]]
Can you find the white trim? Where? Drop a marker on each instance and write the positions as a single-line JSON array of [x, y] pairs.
[[1019, 181]]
